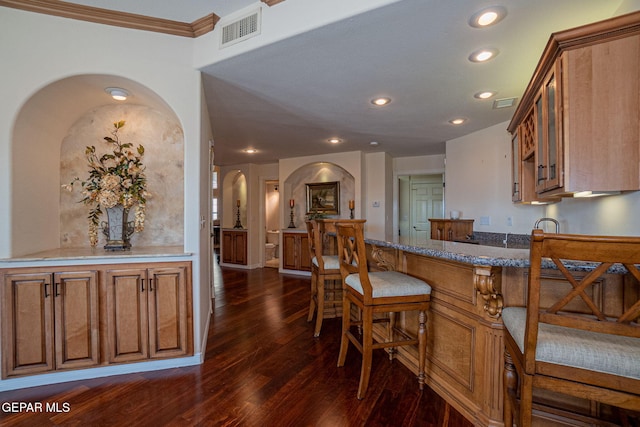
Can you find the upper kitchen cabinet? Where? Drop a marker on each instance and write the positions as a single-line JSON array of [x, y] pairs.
[[576, 128]]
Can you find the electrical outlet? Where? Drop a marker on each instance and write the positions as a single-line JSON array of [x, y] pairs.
[[376, 204], [510, 221]]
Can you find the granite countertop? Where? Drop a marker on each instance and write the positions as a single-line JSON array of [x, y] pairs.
[[457, 251], [481, 254]]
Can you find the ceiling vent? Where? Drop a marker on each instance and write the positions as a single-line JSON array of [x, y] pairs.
[[241, 29], [504, 103]]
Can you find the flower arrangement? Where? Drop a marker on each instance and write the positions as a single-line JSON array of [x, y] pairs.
[[114, 178]]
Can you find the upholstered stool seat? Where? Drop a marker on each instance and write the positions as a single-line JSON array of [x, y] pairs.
[[378, 296]]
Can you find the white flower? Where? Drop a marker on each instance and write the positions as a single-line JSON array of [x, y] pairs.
[[110, 182], [108, 198]]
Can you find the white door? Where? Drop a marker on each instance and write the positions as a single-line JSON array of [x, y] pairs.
[[426, 202]]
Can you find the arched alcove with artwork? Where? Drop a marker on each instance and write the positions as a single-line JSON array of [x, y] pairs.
[[48, 143], [235, 200], [299, 186]]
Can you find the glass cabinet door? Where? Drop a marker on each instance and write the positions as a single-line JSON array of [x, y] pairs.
[[548, 136], [541, 148], [515, 168]]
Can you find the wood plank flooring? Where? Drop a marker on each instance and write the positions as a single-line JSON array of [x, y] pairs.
[[262, 368]]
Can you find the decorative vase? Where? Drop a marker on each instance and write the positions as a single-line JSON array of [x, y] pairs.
[[117, 229]]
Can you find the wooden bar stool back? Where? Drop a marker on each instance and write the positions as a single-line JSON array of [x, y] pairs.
[[569, 341], [323, 268], [378, 296], [326, 281]]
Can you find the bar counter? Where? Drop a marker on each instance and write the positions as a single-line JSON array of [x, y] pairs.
[[471, 283]]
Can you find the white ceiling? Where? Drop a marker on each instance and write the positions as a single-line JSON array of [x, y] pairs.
[[287, 98]]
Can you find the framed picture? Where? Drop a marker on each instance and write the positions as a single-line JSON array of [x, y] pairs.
[[323, 198]]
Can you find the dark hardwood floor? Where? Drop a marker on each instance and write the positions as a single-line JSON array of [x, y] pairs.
[[262, 368]]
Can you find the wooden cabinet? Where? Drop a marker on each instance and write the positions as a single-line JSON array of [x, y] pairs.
[[50, 321], [74, 317], [548, 135], [585, 99], [147, 313], [295, 251], [234, 247], [450, 229]]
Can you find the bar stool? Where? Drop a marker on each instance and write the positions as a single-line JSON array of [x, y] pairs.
[[326, 299], [567, 340], [375, 293]]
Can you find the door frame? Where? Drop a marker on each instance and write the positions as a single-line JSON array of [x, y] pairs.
[[396, 192]]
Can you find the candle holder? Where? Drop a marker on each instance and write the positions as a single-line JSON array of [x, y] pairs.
[[291, 224], [351, 215], [352, 206], [238, 223]]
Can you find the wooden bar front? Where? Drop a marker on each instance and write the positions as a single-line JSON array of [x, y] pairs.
[[465, 347]]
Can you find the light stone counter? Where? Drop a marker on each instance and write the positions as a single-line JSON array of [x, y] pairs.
[[68, 256]]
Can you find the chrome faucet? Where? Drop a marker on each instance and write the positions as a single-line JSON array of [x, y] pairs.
[[555, 221]]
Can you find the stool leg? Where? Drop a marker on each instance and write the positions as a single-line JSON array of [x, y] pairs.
[[346, 324], [319, 304], [509, 388], [422, 347], [367, 351], [526, 400], [390, 327], [312, 303]]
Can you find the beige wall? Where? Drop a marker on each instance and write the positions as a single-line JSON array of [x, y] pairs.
[[163, 159], [478, 176]]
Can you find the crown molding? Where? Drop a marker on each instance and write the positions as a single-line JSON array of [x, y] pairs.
[[115, 18]]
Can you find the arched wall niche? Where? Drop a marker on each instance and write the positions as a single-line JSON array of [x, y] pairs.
[[62, 115], [234, 192], [295, 187]]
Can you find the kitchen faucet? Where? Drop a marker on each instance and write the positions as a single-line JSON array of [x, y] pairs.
[[555, 221]]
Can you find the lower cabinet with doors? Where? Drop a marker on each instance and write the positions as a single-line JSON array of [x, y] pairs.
[[234, 247], [56, 318], [147, 313], [50, 321], [295, 251]]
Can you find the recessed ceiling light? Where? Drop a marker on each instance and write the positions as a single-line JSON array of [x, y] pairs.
[[334, 140], [457, 121], [117, 93], [487, 16], [484, 94], [483, 55], [380, 101], [374, 143], [250, 150]]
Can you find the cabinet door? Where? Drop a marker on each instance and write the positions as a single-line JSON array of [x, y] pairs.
[[289, 251], [305, 254], [461, 229], [548, 134], [227, 247], [240, 248], [27, 316], [168, 314], [127, 315], [76, 319], [437, 230]]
